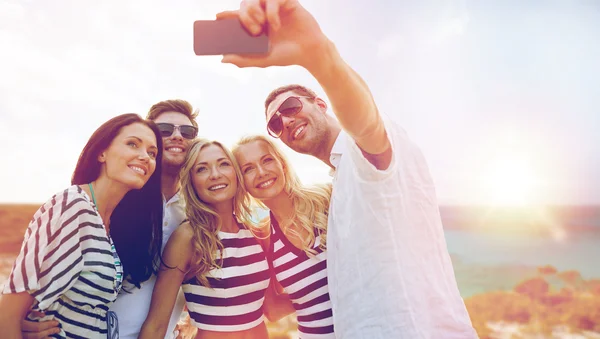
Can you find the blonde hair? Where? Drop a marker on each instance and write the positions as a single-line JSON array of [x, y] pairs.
[[204, 220], [311, 203]]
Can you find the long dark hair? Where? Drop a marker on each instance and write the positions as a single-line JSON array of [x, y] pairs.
[[136, 222]]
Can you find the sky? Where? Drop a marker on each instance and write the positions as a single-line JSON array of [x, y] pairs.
[[502, 97]]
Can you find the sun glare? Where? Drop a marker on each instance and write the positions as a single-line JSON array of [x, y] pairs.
[[510, 181]]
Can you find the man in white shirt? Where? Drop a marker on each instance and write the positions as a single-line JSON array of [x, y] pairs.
[[389, 271], [176, 120]]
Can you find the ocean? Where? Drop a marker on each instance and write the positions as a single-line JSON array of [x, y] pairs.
[[495, 249]]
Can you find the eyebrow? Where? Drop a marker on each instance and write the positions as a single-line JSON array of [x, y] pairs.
[[261, 158], [206, 163]]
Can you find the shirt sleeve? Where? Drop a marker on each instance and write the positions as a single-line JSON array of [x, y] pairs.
[[51, 259], [366, 171], [407, 177]]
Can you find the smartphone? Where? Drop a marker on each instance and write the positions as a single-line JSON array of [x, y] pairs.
[[227, 36]]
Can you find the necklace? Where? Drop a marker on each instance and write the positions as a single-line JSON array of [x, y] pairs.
[[93, 196]]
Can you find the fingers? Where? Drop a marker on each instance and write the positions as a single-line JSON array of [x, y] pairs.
[[245, 60], [37, 314], [39, 330], [228, 15], [34, 326], [41, 335], [257, 14], [272, 9], [252, 16]]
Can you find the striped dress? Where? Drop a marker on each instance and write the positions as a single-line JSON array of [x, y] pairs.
[[304, 279], [68, 264], [234, 301]]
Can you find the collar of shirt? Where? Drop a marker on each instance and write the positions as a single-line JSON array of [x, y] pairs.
[[173, 199], [337, 151]]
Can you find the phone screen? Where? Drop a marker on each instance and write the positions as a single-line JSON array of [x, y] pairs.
[[226, 36]]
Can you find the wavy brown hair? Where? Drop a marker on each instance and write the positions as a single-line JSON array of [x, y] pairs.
[[202, 217], [311, 203]]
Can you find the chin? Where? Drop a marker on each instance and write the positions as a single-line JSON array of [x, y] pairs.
[[269, 194], [174, 161], [221, 198], [303, 146], [136, 184]]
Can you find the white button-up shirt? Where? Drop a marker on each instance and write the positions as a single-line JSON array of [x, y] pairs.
[[389, 271], [132, 308]]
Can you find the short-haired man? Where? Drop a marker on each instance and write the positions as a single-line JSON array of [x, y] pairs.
[[389, 271]]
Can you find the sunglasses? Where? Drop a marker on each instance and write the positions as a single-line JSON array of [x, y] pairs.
[[288, 108], [186, 131]]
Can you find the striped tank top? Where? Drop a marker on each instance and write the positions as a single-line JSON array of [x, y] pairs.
[[234, 300], [304, 279]]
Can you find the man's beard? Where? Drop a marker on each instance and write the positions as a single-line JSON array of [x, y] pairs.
[[317, 143]]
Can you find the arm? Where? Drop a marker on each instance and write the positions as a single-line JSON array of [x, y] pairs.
[[277, 304], [351, 101], [177, 255], [295, 38], [14, 308]]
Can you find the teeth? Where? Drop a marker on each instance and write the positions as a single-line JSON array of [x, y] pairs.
[[138, 169], [217, 187], [300, 129], [175, 149], [266, 183]]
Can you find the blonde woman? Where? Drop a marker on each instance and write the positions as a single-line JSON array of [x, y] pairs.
[[298, 218], [213, 256]]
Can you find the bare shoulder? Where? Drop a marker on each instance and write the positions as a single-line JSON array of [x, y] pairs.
[[183, 234], [179, 249]]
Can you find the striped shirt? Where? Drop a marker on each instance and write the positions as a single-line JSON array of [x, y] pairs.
[[304, 279], [67, 265], [234, 301]]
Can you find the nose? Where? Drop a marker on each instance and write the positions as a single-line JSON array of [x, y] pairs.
[[144, 156], [287, 121], [214, 174], [261, 171], [177, 133]]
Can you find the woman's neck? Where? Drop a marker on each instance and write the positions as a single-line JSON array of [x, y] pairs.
[[228, 222], [108, 195], [282, 208]]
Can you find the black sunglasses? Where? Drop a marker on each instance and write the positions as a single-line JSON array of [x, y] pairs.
[[167, 129], [288, 108]]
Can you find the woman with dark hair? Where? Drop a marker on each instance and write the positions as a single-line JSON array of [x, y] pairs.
[[86, 239]]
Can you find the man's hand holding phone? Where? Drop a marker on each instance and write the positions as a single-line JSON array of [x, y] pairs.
[[294, 36]]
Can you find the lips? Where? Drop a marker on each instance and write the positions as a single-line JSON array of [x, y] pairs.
[[266, 183]]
